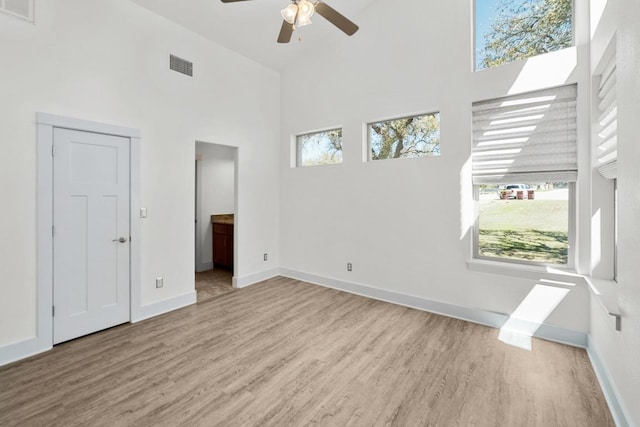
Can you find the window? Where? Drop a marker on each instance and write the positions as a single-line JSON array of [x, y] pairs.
[[524, 167], [319, 148], [528, 224], [511, 30], [417, 136]]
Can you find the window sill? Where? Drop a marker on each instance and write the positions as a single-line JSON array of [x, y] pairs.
[[604, 291], [534, 272]]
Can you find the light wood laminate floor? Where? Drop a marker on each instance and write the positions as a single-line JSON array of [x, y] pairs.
[[287, 353]]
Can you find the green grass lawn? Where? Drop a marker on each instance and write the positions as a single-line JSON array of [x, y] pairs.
[[532, 230]]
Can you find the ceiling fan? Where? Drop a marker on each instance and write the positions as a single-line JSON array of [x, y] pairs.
[[299, 13]]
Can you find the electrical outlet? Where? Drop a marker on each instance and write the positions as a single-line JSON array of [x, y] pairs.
[[159, 282], [265, 257], [143, 212], [349, 267]]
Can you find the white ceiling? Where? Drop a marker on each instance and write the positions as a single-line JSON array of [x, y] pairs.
[[251, 27]]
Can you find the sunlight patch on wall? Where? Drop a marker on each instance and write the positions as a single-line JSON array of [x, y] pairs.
[[468, 206], [535, 71], [596, 8], [531, 314]]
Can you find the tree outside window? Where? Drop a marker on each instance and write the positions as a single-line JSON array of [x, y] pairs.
[[408, 137], [319, 148], [511, 30]]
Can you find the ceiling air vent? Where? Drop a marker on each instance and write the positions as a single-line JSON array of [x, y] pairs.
[[181, 65], [20, 8]]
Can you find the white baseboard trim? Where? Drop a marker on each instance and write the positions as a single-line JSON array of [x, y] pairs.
[[475, 315], [13, 352], [252, 279], [162, 307], [20, 350], [561, 335], [616, 405]]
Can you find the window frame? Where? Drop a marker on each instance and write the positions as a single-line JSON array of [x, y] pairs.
[[571, 253], [297, 157], [474, 38], [367, 135]]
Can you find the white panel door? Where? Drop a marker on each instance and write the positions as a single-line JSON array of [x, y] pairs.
[[91, 233]]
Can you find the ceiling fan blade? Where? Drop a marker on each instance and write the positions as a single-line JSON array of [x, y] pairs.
[[285, 32], [336, 18]]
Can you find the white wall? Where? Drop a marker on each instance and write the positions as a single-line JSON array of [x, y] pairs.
[[216, 195], [107, 61], [620, 350], [404, 224]]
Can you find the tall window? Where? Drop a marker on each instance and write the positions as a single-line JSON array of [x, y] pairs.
[[416, 136], [510, 30], [524, 167], [319, 148]]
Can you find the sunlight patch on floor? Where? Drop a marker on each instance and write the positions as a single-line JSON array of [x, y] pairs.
[[530, 315]]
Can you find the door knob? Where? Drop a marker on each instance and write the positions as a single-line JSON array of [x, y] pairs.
[[121, 240]]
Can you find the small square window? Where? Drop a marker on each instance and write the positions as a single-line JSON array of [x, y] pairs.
[[319, 148], [511, 30], [416, 136]]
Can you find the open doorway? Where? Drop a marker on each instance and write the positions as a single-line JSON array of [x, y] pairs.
[[215, 219]]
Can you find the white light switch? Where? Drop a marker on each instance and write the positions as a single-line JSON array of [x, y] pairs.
[[143, 212]]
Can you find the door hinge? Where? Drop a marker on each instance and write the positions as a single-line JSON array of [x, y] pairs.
[[53, 311], [53, 231], [53, 151]]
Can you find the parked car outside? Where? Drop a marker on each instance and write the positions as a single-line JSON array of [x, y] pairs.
[[512, 190]]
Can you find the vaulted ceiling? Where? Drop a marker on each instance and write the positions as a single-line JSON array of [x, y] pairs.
[[251, 27]]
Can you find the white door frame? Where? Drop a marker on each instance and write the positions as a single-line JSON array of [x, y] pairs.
[[236, 220], [44, 216]]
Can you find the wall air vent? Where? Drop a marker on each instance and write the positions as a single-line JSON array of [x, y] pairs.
[[19, 8], [181, 65]]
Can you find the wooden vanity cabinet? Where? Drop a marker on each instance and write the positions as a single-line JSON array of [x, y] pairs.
[[222, 246]]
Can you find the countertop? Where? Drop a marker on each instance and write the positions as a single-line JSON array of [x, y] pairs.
[[222, 219]]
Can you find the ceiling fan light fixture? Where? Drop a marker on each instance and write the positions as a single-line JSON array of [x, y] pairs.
[[299, 12], [289, 13], [305, 9], [303, 20]]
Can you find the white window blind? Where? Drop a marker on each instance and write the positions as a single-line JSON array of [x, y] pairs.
[[607, 126], [526, 138]]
